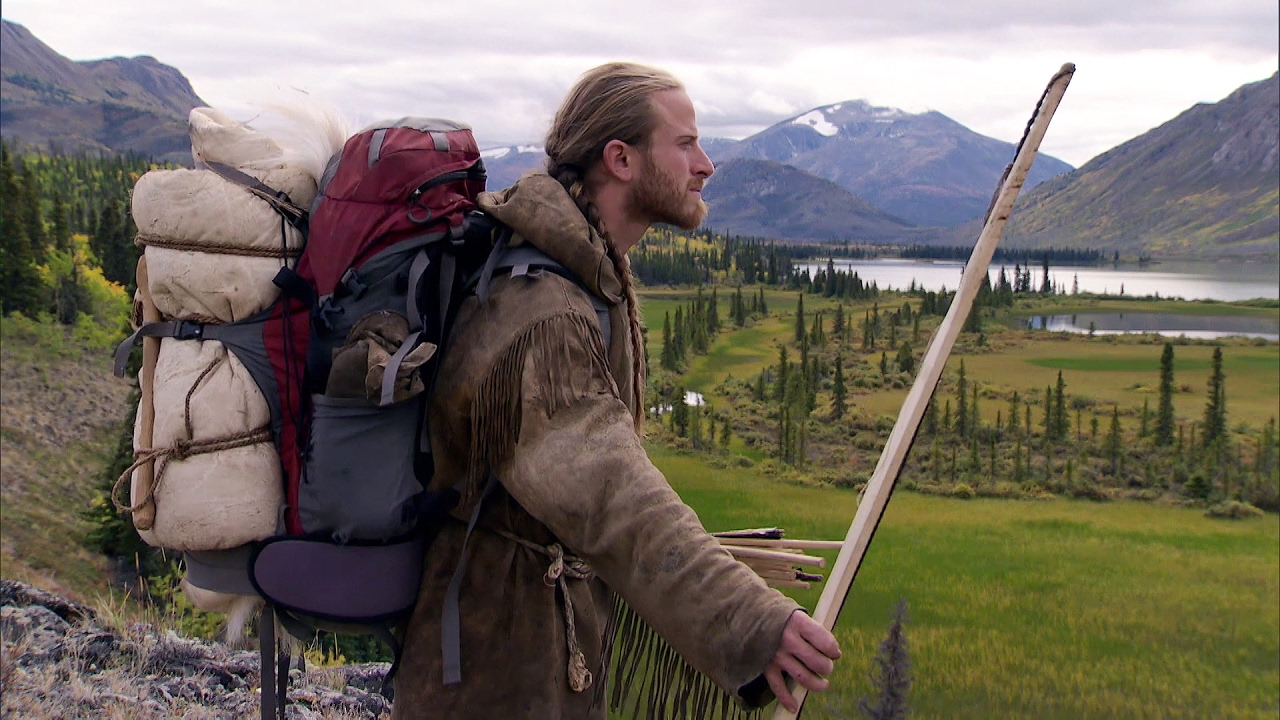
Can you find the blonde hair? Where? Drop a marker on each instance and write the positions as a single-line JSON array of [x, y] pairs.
[[610, 102]]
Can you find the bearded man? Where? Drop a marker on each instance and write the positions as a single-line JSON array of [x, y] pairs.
[[538, 412]]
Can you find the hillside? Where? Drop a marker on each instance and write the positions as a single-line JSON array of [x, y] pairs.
[[925, 168], [1205, 184], [770, 199], [113, 105], [61, 410]]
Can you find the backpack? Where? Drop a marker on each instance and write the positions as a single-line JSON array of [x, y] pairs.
[[346, 359]]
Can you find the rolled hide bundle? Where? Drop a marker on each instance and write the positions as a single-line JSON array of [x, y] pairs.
[[212, 247], [217, 476], [217, 138]]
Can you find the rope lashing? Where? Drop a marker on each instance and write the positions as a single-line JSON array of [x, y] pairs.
[[183, 448], [564, 567], [148, 240]]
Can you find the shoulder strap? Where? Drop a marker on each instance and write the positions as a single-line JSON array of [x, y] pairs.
[[528, 260]]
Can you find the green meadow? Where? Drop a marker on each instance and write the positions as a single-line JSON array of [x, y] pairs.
[[1044, 609], [1048, 608]]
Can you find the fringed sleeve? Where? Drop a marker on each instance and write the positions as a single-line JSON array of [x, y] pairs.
[[691, 611]]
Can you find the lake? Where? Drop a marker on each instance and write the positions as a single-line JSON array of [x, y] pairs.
[[1170, 324], [1190, 280]]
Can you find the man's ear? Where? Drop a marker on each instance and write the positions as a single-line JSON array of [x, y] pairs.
[[619, 161]]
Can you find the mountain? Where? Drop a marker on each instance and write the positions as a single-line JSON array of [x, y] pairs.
[[1204, 184], [505, 165], [770, 199], [113, 105], [925, 168]]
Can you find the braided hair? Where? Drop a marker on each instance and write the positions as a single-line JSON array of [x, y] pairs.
[[610, 102]]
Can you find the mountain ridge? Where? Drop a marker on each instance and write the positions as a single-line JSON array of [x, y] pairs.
[[748, 196], [1204, 183], [109, 105], [923, 167]]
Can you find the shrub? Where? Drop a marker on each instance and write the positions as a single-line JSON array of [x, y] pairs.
[[962, 491], [1233, 510], [1197, 487]]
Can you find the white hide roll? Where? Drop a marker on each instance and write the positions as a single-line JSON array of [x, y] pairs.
[[197, 208], [216, 137], [221, 499]]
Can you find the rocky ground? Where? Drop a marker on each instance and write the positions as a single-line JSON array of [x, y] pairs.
[[59, 659]]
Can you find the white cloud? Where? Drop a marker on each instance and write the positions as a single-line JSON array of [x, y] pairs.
[[503, 66]]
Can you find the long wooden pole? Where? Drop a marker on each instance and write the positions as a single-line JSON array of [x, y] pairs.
[[144, 516], [882, 480]]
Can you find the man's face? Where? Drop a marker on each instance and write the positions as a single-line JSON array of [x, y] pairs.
[[669, 186]]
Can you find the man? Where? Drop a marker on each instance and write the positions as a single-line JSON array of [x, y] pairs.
[[540, 415]]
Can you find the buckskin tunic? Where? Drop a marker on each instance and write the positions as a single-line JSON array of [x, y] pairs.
[[528, 390]]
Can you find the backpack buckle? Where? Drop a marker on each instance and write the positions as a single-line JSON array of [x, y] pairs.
[[187, 330], [352, 283]]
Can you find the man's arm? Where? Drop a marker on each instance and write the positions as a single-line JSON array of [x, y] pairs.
[[580, 469]]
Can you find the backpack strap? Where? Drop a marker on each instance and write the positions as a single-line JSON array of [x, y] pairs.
[[277, 199], [451, 625], [273, 672], [180, 329], [527, 260]]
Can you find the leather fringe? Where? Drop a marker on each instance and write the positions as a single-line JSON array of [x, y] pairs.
[[650, 680], [496, 408]]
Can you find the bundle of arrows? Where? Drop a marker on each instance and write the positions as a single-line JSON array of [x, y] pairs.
[[779, 561]]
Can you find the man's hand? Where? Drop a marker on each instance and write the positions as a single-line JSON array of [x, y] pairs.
[[806, 654]]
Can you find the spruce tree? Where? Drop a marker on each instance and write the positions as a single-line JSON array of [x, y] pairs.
[[1060, 409], [1215, 410], [1113, 440], [800, 327], [884, 366], [780, 389], [906, 361], [962, 403], [678, 338], [891, 676], [20, 286], [1013, 413], [1047, 420], [1164, 414], [838, 391], [668, 349]]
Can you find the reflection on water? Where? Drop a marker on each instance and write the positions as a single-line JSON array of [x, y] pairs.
[[691, 399], [1191, 280], [1169, 324]]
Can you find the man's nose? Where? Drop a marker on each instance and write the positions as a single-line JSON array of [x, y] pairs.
[[702, 165]]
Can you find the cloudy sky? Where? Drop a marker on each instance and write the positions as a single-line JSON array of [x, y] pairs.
[[502, 65]]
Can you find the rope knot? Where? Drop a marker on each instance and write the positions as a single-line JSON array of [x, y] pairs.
[[556, 569], [181, 449]]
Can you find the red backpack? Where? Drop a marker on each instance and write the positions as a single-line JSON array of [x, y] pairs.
[[346, 359]]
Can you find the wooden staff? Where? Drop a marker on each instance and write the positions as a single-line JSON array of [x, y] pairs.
[[145, 516], [880, 487]]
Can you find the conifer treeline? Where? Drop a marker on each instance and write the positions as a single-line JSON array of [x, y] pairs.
[[45, 202]]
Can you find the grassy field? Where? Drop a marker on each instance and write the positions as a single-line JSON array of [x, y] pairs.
[[1049, 609], [1107, 369]]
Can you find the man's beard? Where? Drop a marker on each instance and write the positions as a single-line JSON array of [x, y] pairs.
[[664, 199]]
